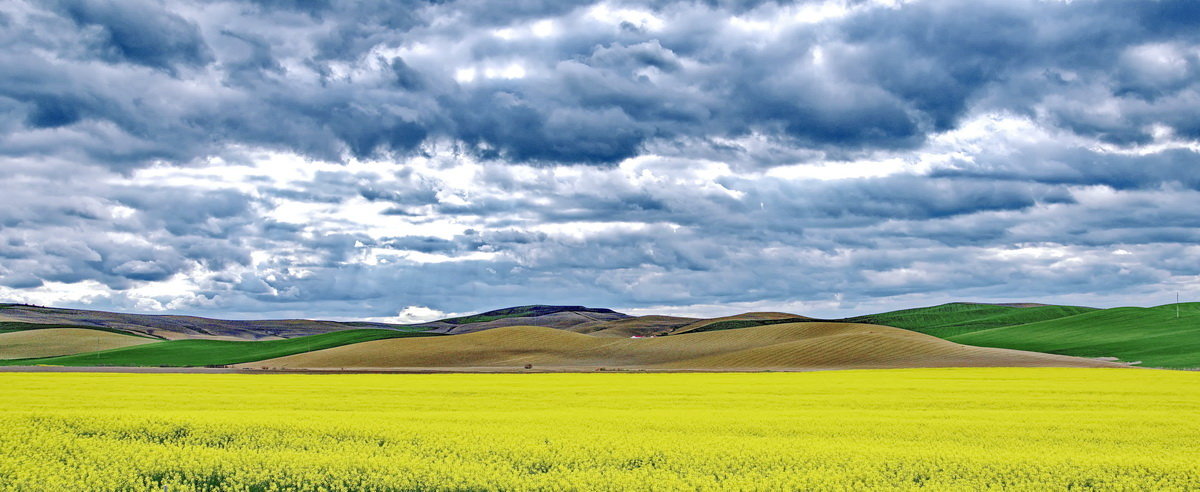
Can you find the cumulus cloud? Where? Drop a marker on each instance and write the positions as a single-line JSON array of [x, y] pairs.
[[373, 158]]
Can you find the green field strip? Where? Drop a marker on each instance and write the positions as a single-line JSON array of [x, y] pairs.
[[195, 353], [956, 319], [1153, 336]]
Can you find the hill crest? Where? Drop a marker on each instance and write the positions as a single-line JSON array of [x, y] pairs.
[[786, 346]]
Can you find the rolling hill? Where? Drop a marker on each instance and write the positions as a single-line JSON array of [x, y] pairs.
[[1152, 336], [561, 317], [15, 317], [599, 337], [788, 346], [171, 327], [652, 325], [193, 353], [531, 311], [50, 342], [744, 320], [959, 318]]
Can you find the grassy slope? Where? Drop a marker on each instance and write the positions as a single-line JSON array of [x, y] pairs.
[[949, 320], [188, 353], [941, 321], [1151, 335]]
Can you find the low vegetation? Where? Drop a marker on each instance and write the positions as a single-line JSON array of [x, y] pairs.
[[948, 429], [959, 318], [1164, 336], [191, 353]]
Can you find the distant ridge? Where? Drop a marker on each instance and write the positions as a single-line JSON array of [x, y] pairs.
[[639, 326], [1007, 304], [169, 327], [559, 317], [22, 316], [530, 311], [1151, 337], [18, 317]]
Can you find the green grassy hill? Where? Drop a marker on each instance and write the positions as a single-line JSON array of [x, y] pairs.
[[1153, 336], [959, 318], [192, 353]]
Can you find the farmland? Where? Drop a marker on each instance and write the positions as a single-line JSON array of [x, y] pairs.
[[960, 318], [1162, 336], [1155, 337], [50, 342], [783, 346], [1018, 429], [188, 353], [581, 338]]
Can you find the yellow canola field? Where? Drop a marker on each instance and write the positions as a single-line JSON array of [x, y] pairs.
[[952, 429]]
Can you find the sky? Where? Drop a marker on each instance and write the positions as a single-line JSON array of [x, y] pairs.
[[404, 161]]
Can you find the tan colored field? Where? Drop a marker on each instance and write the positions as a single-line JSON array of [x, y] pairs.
[[62, 341], [790, 346]]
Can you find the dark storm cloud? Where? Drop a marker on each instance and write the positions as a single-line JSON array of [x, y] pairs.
[[137, 32], [594, 93]]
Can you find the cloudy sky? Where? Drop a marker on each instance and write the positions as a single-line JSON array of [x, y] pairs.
[[400, 160]]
